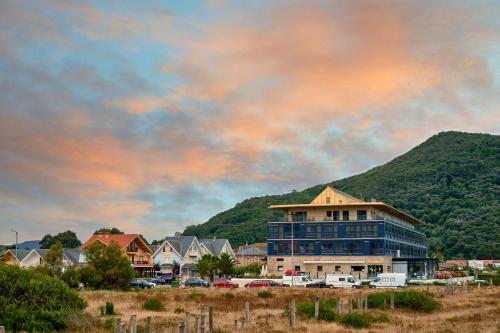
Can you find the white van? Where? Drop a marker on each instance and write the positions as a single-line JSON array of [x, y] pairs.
[[298, 280], [342, 281], [389, 280]]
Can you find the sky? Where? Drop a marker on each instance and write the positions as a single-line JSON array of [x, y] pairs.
[[150, 116]]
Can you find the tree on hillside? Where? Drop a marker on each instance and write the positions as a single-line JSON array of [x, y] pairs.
[[53, 258], [68, 239], [107, 268], [113, 231]]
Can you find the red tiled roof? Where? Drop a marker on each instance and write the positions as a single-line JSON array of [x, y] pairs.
[[123, 240]]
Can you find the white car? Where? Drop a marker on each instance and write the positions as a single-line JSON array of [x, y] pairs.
[[342, 281]]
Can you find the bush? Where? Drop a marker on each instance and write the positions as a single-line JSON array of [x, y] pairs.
[[362, 319], [410, 299], [265, 294], [108, 309], [178, 310], [153, 304], [326, 310], [33, 301], [71, 277], [196, 294], [229, 295], [495, 278]]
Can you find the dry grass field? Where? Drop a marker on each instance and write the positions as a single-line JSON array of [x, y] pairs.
[[474, 311]]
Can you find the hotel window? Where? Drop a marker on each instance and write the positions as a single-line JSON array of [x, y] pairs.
[[370, 230], [353, 230], [311, 231], [336, 215], [345, 215], [310, 248], [361, 215], [319, 268], [327, 248]]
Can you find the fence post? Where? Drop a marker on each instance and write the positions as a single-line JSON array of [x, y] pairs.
[[202, 319], [210, 318], [366, 302], [123, 328], [149, 329], [316, 308], [236, 324], [246, 315], [118, 325], [338, 309], [187, 328], [350, 304], [133, 324], [392, 301], [181, 327], [427, 288], [292, 312], [385, 303], [196, 324]]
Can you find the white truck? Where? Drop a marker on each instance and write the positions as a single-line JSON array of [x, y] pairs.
[[298, 280], [389, 280], [342, 281]]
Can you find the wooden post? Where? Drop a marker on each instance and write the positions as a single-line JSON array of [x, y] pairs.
[[427, 288], [350, 304], [181, 327], [360, 301], [338, 308], [392, 301], [149, 329], [187, 328], [2, 329], [236, 324], [210, 318], [133, 324], [123, 328], [292, 312], [195, 324], [366, 302], [316, 308], [385, 303], [118, 325], [246, 316], [202, 319]]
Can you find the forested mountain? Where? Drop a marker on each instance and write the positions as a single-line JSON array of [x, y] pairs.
[[451, 182]]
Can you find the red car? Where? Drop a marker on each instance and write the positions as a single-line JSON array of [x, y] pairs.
[[262, 283], [225, 284]]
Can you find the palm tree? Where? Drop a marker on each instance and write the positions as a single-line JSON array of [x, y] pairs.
[[225, 263]]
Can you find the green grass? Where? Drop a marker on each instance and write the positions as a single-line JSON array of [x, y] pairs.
[[196, 294], [362, 319], [265, 294], [153, 304]]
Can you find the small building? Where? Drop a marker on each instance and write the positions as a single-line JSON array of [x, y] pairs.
[[338, 233], [36, 257], [133, 246], [182, 253], [454, 264], [252, 254]]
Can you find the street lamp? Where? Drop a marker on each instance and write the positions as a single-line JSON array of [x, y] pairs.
[[16, 243]]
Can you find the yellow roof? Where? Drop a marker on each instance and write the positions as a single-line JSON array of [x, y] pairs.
[[319, 202]]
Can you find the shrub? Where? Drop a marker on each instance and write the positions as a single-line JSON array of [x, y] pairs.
[[229, 295], [410, 299], [265, 294], [362, 319], [326, 310], [196, 294], [178, 310], [33, 301], [71, 277], [153, 304], [108, 309]]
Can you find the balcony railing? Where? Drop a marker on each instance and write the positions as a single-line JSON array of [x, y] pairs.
[[140, 262]]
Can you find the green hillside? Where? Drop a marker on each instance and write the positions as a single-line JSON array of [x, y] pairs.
[[451, 182]]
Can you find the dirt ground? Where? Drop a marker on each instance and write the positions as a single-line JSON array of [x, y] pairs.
[[475, 311]]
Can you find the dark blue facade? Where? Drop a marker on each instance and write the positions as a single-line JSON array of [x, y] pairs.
[[345, 238]]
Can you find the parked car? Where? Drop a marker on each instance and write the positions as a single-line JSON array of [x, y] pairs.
[[225, 284], [195, 282], [140, 283], [158, 281], [263, 283], [389, 280], [319, 284], [481, 282], [342, 281], [296, 280]]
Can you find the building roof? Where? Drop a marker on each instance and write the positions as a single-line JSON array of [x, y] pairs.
[[257, 249], [342, 200], [73, 255], [123, 240], [214, 245], [21, 253], [181, 244]]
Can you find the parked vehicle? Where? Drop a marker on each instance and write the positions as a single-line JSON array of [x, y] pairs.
[[319, 284], [389, 280], [195, 282], [225, 284], [140, 283], [296, 280], [481, 282], [342, 281], [263, 283], [158, 281]]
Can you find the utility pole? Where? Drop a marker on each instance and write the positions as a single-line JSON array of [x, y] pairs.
[[293, 267], [16, 243]]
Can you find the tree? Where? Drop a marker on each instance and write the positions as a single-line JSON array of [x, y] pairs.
[[112, 269], [205, 266], [225, 263], [113, 231], [68, 239], [53, 258]]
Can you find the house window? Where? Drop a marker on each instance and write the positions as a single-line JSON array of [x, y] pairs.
[[345, 215], [336, 215], [358, 268], [132, 247], [279, 259], [361, 215], [328, 213], [163, 249]]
